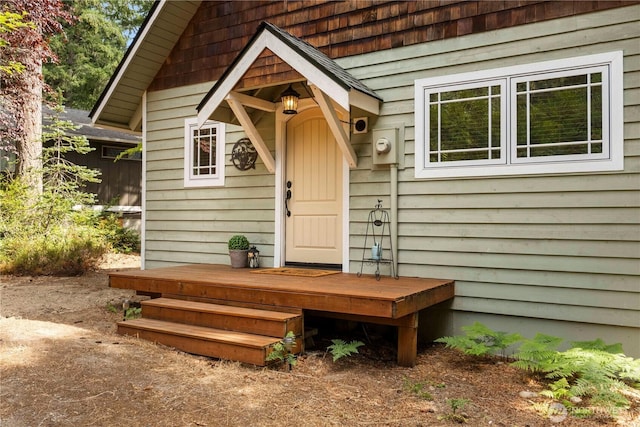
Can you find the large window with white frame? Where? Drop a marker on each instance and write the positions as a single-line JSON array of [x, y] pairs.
[[203, 154], [557, 116]]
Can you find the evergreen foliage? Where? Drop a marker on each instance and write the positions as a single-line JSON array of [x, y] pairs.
[[91, 47], [51, 232], [121, 239]]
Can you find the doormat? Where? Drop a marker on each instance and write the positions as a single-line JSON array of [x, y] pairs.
[[304, 272]]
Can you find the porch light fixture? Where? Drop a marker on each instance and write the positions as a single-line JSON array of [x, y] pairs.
[[289, 99]]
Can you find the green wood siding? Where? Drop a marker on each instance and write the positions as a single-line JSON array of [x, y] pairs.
[[193, 225], [526, 252], [558, 254]]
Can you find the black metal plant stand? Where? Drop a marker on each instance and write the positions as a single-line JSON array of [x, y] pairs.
[[378, 230]]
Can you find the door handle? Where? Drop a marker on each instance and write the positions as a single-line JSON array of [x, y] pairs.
[[287, 198]]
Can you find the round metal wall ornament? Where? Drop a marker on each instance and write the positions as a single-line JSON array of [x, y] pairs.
[[244, 155]]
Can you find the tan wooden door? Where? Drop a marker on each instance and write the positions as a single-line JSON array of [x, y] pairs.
[[314, 174]]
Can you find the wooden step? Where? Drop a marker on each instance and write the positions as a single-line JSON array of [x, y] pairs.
[[231, 345], [231, 318]]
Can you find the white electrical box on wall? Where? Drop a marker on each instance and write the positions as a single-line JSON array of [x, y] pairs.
[[385, 146]]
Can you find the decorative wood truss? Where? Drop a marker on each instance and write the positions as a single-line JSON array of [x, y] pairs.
[[334, 90]]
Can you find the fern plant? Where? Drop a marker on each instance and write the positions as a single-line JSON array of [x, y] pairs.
[[341, 348], [538, 354], [132, 313], [480, 340], [417, 388], [593, 370], [454, 415], [282, 351]]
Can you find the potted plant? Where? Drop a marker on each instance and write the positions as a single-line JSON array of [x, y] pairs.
[[238, 251]]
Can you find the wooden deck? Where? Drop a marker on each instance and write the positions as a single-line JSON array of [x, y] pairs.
[[387, 301]]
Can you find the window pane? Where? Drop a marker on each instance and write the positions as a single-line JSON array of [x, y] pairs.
[[464, 94], [495, 124], [194, 160], [521, 117], [560, 116], [465, 124], [558, 150], [558, 82], [204, 151], [596, 112], [433, 128]]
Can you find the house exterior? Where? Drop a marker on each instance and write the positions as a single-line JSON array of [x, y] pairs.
[[120, 186], [503, 138]]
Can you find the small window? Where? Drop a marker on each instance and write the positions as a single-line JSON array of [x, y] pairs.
[[465, 124], [111, 152], [549, 117], [559, 116], [204, 154]]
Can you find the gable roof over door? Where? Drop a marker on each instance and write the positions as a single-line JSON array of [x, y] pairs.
[[312, 64]]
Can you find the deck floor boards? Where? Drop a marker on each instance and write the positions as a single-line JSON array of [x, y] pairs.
[[387, 301], [341, 293]]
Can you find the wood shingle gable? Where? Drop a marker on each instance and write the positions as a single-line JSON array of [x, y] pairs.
[[332, 87], [308, 56], [220, 30]]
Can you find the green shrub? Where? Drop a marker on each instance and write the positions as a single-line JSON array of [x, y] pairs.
[[238, 243], [62, 251], [44, 232], [121, 239]]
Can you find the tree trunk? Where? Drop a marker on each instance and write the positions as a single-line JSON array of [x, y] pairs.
[[29, 146]]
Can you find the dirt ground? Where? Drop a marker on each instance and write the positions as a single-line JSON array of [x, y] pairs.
[[61, 363]]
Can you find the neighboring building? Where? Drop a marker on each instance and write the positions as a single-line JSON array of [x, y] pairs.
[[120, 186], [514, 137]]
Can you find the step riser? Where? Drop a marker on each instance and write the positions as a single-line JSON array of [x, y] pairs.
[[231, 303], [265, 327], [255, 356]]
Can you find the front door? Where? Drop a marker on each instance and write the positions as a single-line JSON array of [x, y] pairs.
[[314, 178]]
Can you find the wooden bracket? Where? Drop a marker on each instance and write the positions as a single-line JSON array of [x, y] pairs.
[[335, 125], [248, 126]]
